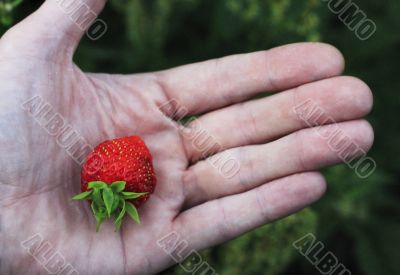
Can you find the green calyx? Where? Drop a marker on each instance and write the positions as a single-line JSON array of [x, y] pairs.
[[110, 200]]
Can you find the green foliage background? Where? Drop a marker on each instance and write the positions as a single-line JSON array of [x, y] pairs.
[[356, 220]]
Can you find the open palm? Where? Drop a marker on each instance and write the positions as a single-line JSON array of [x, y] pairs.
[[274, 151]]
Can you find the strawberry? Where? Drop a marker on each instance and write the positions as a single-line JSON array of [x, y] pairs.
[[117, 178]]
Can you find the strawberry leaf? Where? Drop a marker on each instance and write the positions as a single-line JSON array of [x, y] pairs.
[[95, 209], [132, 212], [119, 219], [97, 185], [82, 196], [132, 195], [97, 197], [115, 203], [108, 198], [118, 186], [99, 214]]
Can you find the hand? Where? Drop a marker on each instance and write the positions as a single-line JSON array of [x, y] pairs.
[[276, 153]]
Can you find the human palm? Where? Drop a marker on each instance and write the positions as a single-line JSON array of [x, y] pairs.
[[275, 151]]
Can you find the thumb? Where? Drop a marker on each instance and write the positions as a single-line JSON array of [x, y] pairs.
[[74, 18], [62, 23]]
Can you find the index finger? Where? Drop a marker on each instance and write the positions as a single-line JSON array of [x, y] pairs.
[[220, 82]]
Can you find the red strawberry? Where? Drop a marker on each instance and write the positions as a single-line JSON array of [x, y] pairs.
[[117, 177]]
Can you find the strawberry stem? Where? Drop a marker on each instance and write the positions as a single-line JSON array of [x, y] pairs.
[[110, 200]]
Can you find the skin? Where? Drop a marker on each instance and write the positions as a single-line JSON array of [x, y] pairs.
[[277, 152]]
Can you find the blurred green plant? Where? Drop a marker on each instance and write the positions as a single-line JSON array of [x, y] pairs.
[[363, 211], [161, 34], [267, 250], [6, 11]]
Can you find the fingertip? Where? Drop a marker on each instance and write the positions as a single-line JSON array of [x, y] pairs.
[[359, 92], [367, 135], [315, 184], [329, 58], [332, 55], [301, 63], [307, 187]]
